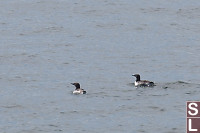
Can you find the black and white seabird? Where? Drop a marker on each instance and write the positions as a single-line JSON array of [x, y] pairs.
[[142, 83], [78, 89]]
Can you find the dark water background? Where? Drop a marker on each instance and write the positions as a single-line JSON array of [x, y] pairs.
[[46, 45]]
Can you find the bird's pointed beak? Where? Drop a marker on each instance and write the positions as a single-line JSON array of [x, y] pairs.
[[72, 83]]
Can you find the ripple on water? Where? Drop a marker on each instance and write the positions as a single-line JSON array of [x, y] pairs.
[[12, 106], [179, 84], [181, 87]]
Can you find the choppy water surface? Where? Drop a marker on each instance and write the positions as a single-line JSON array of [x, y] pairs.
[[46, 45]]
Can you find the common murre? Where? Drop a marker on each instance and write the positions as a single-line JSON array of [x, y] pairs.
[[78, 89], [142, 83]]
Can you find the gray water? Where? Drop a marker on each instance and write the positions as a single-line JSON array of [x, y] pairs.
[[47, 44]]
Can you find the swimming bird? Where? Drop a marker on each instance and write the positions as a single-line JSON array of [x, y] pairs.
[[142, 83], [78, 89]]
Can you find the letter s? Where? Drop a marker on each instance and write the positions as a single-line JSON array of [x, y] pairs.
[[193, 108]]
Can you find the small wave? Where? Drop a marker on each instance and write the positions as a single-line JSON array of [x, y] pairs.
[[182, 82], [12, 106], [178, 84]]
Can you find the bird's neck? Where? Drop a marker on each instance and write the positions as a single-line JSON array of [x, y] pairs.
[[77, 87], [138, 78]]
